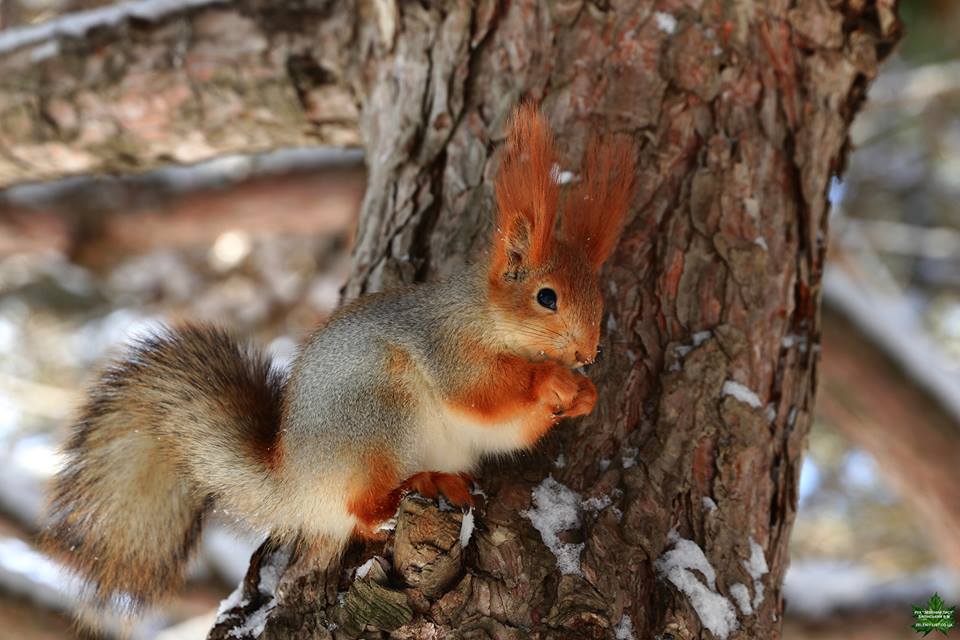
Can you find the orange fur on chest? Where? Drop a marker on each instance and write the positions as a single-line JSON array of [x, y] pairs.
[[509, 391], [507, 387]]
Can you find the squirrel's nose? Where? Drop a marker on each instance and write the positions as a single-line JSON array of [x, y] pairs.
[[581, 359]]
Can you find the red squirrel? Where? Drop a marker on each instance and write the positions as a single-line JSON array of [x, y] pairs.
[[400, 391]]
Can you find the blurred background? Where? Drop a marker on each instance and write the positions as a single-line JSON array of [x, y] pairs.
[[263, 243]]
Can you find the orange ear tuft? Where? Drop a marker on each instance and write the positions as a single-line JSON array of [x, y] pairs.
[[594, 213], [526, 193]]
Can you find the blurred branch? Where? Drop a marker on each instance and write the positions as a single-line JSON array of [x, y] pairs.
[[98, 219], [816, 590], [907, 239], [889, 389], [911, 95], [136, 85], [42, 400], [919, 85]]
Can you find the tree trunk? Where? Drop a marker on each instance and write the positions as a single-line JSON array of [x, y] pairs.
[[681, 488], [678, 493]]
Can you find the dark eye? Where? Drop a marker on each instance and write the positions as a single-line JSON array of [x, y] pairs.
[[547, 298]]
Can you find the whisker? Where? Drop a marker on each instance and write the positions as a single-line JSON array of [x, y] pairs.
[[546, 331]]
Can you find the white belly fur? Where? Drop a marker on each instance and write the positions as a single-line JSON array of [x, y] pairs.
[[452, 442]]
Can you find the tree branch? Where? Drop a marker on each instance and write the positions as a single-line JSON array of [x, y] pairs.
[[97, 221], [886, 388], [131, 87]]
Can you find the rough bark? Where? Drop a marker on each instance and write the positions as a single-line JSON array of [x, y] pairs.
[[741, 112]]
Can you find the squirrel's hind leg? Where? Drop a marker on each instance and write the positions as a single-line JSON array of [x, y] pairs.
[[377, 495], [374, 496]]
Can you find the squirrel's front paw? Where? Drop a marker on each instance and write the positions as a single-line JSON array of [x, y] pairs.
[[585, 399], [567, 393]]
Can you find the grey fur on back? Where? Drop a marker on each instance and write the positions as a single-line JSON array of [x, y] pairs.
[[342, 375]]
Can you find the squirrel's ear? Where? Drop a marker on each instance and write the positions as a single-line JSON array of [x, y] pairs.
[[595, 211], [526, 194]]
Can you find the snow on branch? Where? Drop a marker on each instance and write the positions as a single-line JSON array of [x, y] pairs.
[[78, 24], [891, 323]]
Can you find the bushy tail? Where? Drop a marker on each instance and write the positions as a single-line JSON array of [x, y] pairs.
[[183, 412]]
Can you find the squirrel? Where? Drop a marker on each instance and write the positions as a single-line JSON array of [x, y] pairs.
[[399, 391]]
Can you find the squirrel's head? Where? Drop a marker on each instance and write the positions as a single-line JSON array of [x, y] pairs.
[[544, 282]]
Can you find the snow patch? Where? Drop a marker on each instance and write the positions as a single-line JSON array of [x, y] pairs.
[[597, 504], [708, 504], [792, 339], [387, 525], [556, 508], [362, 571], [466, 528], [696, 340], [629, 457], [771, 412], [270, 572], [665, 22], [741, 393], [560, 462], [741, 595], [678, 565], [792, 417], [256, 622], [700, 337], [761, 242], [624, 629], [234, 600], [561, 176], [756, 566], [476, 490]]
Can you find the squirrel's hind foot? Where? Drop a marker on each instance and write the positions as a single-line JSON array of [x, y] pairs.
[[455, 487]]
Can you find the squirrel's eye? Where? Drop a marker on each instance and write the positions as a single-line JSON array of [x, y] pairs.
[[547, 298]]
